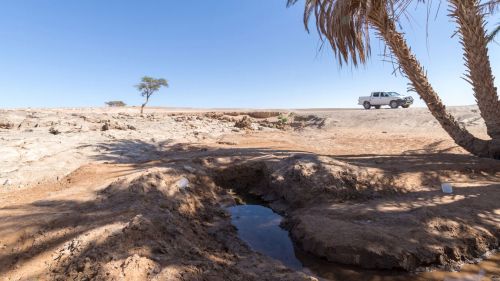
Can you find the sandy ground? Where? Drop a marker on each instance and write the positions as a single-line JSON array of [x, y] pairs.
[[95, 193]]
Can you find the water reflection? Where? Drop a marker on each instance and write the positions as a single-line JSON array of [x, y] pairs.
[[260, 228]]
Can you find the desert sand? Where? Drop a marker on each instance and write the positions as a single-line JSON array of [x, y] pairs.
[[97, 193]]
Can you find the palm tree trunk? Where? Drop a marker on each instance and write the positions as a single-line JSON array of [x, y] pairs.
[[474, 41], [386, 28]]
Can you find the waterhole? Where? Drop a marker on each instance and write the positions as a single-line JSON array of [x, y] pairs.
[[259, 227]]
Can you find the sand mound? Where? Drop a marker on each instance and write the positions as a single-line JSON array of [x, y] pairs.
[[162, 230]]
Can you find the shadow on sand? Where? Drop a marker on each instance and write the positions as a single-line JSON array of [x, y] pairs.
[[145, 218]]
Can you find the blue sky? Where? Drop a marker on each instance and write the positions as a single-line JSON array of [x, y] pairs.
[[219, 53]]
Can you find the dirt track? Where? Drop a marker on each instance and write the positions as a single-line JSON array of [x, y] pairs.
[[349, 182]]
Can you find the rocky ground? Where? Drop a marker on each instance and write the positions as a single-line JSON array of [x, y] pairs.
[[101, 194]]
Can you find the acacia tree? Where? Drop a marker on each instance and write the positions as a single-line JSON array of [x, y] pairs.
[[149, 86], [346, 24], [115, 103]]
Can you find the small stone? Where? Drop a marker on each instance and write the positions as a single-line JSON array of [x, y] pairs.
[[54, 131], [182, 183], [189, 169]]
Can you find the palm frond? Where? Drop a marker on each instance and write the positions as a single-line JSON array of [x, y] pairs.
[[493, 34], [345, 23], [489, 6]]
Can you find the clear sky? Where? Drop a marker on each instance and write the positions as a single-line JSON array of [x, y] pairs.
[[215, 53]]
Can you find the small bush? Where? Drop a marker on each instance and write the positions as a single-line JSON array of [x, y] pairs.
[[282, 119], [116, 103]]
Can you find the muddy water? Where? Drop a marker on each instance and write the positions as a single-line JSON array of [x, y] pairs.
[[260, 228]]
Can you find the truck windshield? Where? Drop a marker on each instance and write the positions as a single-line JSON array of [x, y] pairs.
[[394, 94]]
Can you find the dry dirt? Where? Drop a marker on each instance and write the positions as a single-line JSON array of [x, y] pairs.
[[98, 194]]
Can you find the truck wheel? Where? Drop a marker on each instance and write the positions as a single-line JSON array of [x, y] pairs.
[[377, 107], [367, 105], [405, 106], [393, 104]]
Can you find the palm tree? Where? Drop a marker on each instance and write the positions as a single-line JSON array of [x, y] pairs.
[[346, 23]]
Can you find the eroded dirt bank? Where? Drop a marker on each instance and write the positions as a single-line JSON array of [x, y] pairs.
[[142, 226], [138, 223], [347, 215], [126, 215]]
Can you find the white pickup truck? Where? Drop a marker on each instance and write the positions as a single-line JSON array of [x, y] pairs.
[[392, 99]]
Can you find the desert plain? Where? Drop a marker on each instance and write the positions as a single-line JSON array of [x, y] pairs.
[[108, 194]]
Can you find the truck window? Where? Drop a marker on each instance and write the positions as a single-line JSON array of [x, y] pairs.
[[375, 95], [385, 95]]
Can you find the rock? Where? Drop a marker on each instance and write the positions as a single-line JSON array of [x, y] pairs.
[[244, 123], [54, 131], [263, 114], [254, 126], [183, 183], [226, 143], [6, 125], [189, 168]]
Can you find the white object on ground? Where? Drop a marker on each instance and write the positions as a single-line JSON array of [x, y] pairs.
[[446, 187], [183, 183]]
